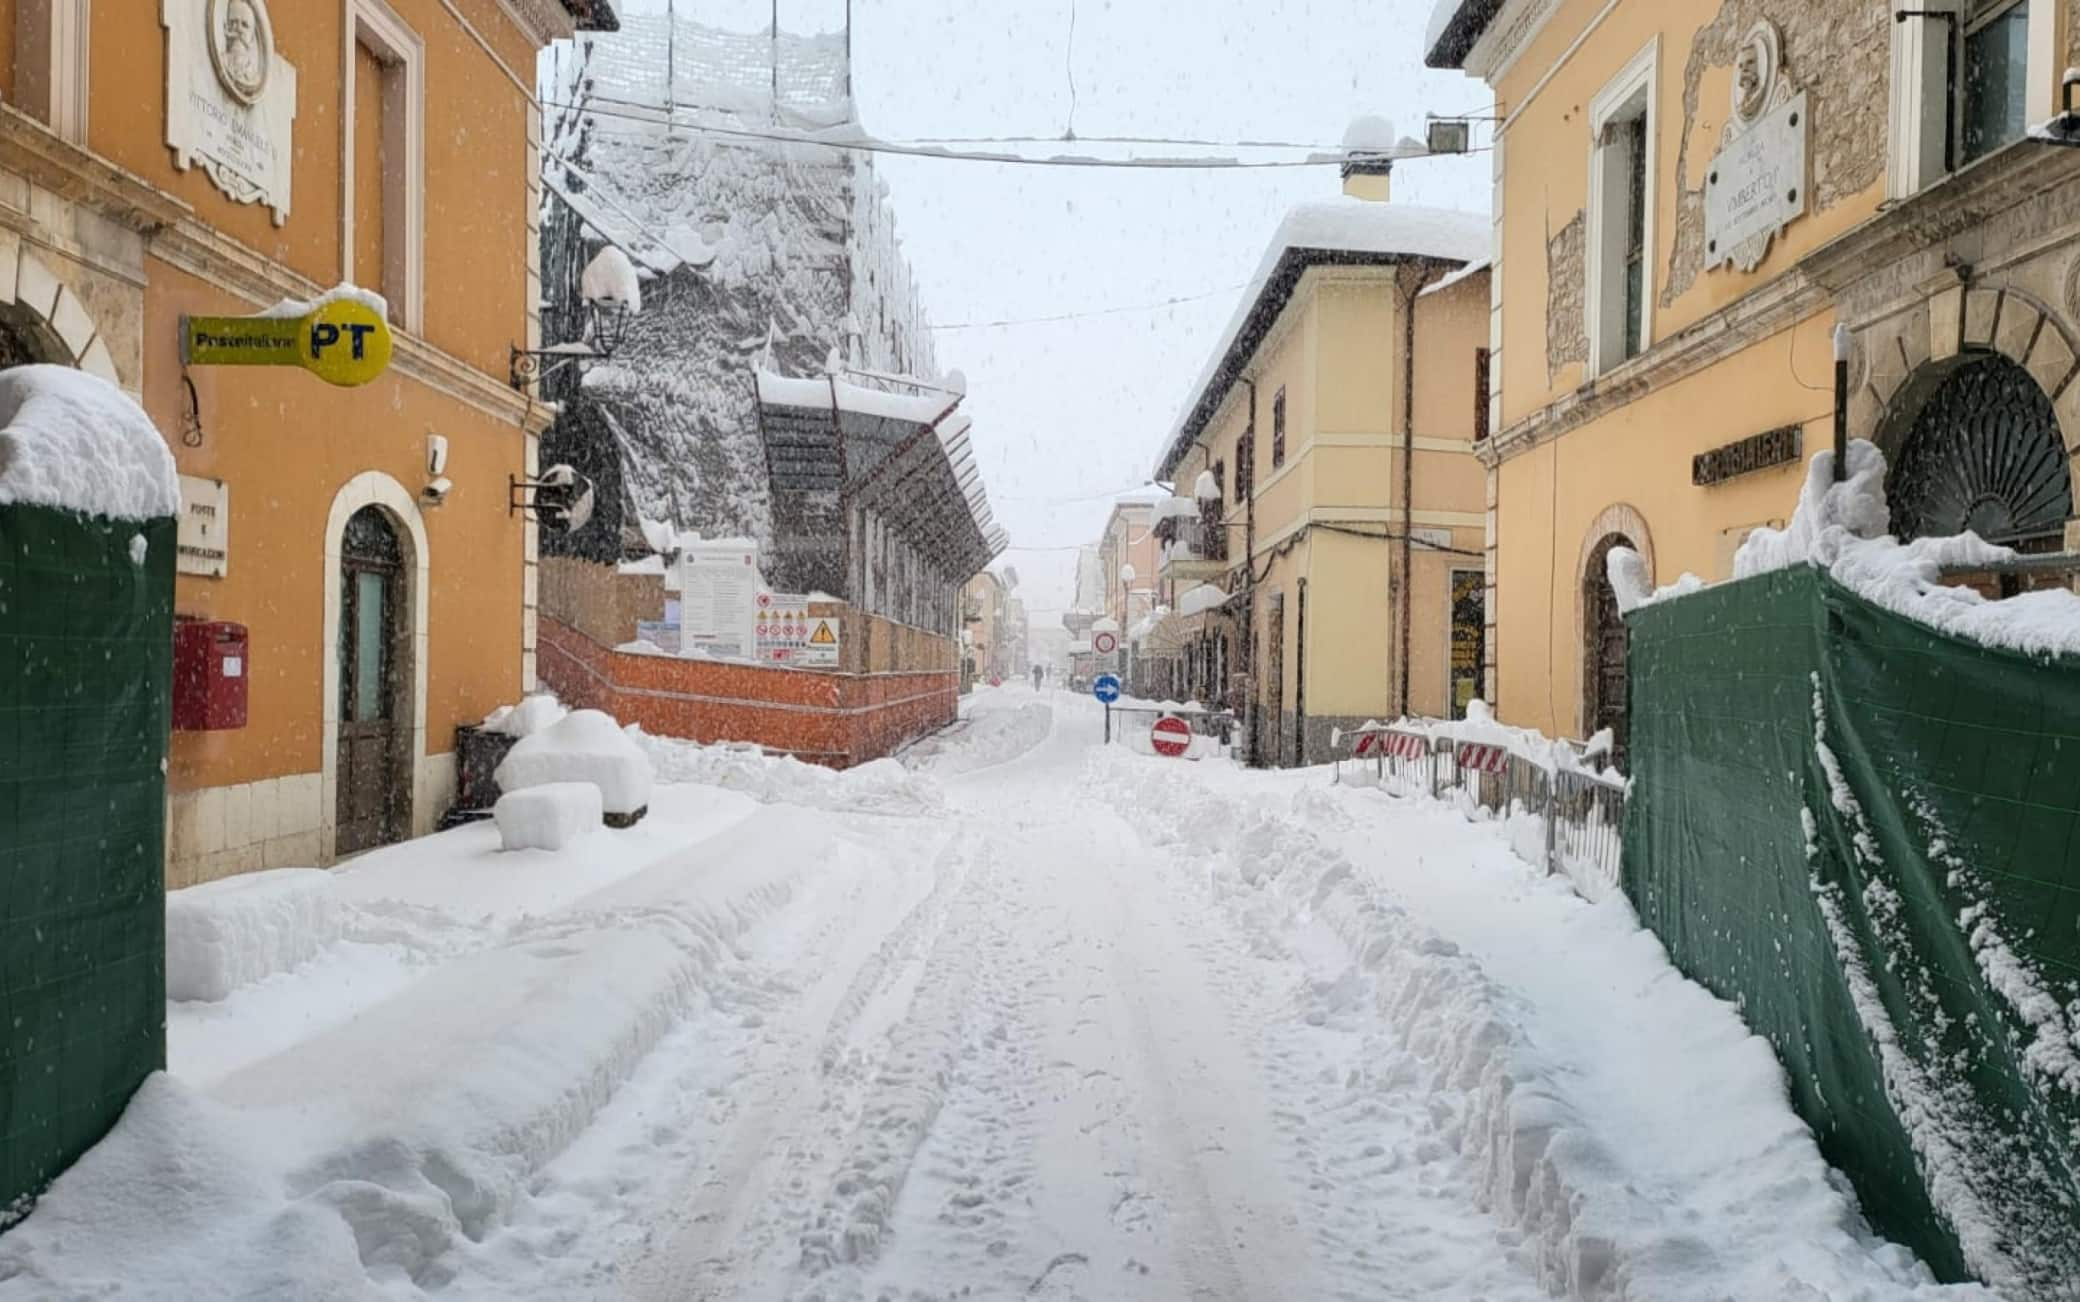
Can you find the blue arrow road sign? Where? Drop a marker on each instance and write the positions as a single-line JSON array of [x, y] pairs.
[[1106, 688]]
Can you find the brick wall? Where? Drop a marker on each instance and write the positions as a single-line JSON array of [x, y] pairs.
[[836, 719]]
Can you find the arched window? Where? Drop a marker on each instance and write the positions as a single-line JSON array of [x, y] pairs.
[[1984, 453]]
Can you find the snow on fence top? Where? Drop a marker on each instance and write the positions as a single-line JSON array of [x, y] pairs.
[[1336, 231], [1841, 528], [75, 442]]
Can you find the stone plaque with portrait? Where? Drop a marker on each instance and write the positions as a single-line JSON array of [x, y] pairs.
[[230, 98], [1756, 184]]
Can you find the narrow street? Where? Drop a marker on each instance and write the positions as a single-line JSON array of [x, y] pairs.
[[1051, 1067]]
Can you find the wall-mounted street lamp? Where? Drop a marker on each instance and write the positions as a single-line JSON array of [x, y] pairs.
[[560, 498], [612, 296]]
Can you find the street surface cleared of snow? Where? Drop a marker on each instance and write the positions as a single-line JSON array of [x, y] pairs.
[[1015, 1016]]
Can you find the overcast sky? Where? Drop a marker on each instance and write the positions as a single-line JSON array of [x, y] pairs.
[[1068, 413]]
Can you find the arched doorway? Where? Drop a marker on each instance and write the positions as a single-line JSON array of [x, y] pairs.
[[375, 718], [1603, 647], [1983, 452]]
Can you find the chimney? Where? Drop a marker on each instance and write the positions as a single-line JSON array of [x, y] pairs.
[[1370, 179], [1369, 147]]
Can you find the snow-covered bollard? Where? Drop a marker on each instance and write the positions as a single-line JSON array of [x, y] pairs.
[[547, 817], [225, 934], [583, 746]]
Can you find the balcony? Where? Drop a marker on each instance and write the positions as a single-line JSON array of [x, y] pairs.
[[1193, 548]]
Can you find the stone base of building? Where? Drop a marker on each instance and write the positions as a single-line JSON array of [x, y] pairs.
[[835, 719], [218, 832]]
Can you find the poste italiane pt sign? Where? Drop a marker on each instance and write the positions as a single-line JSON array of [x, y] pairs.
[[343, 341]]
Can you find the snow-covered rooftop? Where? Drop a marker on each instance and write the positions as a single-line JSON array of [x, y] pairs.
[[1454, 27], [1352, 232], [1467, 272]]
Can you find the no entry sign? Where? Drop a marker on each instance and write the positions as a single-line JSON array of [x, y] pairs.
[[1172, 736]]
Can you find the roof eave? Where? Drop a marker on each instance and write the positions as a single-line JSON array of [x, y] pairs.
[[1460, 35]]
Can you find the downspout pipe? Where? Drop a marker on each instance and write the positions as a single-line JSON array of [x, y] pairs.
[[1245, 473], [1413, 277]]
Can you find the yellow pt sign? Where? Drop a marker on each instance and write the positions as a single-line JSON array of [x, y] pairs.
[[343, 342]]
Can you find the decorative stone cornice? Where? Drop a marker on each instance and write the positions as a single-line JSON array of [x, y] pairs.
[[65, 169], [1512, 28], [1817, 281]]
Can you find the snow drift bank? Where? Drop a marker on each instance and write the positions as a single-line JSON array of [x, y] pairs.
[[1642, 1146], [882, 787], [989, 735], [361, 1157]]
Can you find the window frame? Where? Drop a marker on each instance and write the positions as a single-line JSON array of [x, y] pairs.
[[1925, 127], [403, 53], [1278, 428], [1634, 92]]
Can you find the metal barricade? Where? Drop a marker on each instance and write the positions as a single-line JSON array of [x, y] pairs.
[[1580, 816]]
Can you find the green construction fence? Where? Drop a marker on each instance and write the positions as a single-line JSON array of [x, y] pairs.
[[86, 647], [1866, 834]]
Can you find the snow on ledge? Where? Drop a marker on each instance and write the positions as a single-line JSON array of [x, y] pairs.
[[74, 442], [290, 309], [1842, 529]]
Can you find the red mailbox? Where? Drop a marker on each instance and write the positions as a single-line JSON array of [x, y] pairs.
[[210, 668]]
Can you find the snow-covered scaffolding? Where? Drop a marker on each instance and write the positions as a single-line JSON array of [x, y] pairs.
[[748, 247], [876, 494]]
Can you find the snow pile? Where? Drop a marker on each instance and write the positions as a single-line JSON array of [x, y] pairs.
[[881, 787], [1176, 508], [583, 746], [75, 442], [1652, 1155], [1207, 488], [547, 817], [611, 278], [1841, 528], [534, 713], [986, 738], [1199, 600], [368, 1159], [225, 934], [290, 309]]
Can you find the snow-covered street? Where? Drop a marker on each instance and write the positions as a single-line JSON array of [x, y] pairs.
[[1030, 1017]]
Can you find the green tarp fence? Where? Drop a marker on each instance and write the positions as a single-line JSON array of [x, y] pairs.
[[86, 647], [1867, 835]]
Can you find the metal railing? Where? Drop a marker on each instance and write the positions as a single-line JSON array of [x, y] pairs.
[[1563, 820]]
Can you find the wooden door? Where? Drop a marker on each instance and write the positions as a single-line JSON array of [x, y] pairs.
[[374, 727], [1604, 650]]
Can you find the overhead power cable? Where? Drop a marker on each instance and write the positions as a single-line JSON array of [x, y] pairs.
[[919, 150]]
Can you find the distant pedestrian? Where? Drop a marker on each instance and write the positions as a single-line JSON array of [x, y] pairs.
[[1038, 674]]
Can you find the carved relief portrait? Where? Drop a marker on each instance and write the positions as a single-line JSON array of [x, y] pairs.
[[1755, 69], [241, 46]]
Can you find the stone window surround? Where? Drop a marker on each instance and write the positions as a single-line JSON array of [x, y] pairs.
[[375, 24], [374, 488], [1921, 108], [51, 65], [1640, 77], [1626, 521]]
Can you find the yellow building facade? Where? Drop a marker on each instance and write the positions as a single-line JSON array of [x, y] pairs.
[[176, 158], [1343, 527], [1688, 198]]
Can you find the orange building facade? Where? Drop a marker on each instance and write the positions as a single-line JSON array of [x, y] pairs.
[[215, 157]]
